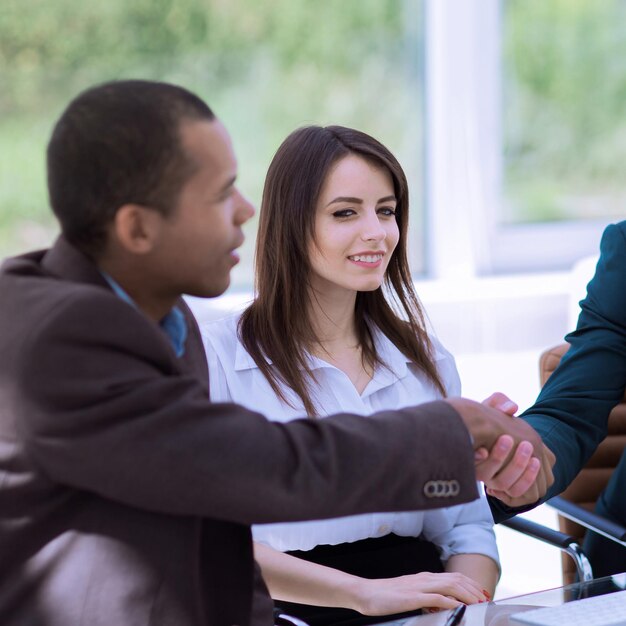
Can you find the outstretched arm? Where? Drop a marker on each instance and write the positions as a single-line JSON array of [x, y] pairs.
[[572, 410]]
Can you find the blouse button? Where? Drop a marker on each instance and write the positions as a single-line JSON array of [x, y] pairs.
[[384, 529]]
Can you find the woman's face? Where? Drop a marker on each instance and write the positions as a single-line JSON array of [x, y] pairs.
[[355, 227]]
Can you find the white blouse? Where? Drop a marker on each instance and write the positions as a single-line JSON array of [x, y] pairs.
[[234, 376]]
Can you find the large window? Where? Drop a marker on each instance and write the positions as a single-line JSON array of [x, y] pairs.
[[265, 67], [564, 110], [509, 116], [527, 131]]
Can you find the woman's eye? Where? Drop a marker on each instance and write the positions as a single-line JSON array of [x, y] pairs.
[[387, 211], [344, 213]]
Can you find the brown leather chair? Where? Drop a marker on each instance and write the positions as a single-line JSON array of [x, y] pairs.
[[576, 503]]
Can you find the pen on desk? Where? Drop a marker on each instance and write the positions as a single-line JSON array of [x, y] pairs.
[[456, 616]]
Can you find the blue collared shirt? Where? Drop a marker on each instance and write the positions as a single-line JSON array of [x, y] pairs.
[[173, 324]]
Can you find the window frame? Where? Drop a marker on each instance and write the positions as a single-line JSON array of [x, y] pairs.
[[464, 156]]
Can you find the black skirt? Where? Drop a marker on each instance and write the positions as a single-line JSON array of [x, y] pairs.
[[385, 557]]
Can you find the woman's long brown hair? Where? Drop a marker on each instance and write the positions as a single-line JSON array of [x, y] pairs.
[[276, 329]]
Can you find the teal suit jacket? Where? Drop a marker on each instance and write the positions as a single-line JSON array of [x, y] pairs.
[[572, 410]]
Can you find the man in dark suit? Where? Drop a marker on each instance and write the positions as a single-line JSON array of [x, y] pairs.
[[125, 495], [572, 410]]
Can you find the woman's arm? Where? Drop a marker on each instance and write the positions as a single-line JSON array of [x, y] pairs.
[[296, 580], [467, 541], [480, 568]]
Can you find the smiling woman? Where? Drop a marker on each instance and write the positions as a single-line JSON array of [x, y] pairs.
[[355, 229], [323, 335], [305, 273]]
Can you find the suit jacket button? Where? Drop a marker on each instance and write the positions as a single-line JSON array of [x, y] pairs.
[[442, 488]]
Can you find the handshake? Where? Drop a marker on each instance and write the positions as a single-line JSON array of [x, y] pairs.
[[511, 459]]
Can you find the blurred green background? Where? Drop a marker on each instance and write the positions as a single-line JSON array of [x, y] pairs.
[[268, 67], [264, 67], [564, 109]]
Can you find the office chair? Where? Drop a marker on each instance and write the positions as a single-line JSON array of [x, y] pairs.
[[568, 544], [575, 505]]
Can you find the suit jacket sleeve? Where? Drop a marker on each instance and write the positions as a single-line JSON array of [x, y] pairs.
[[105, 410], [572, 410]]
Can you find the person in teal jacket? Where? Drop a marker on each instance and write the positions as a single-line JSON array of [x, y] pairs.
[[572, 410]]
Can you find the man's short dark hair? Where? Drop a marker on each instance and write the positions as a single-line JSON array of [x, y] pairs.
[[118, 143]]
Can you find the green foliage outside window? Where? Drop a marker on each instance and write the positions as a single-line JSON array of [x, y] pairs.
[[564, 109], [268, 67], [264, 67]]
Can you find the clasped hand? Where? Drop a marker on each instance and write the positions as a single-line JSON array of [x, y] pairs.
[[511, 459]]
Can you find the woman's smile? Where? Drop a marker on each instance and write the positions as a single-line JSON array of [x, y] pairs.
[[369, 260]]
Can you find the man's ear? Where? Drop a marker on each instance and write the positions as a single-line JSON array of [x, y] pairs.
[[137, 228]]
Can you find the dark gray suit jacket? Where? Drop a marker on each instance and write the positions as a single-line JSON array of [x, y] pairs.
[[126, 496]]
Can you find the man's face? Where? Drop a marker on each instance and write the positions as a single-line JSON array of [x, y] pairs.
[[198, 240]]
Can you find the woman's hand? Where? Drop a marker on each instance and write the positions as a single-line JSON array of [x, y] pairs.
[[387, 596]]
